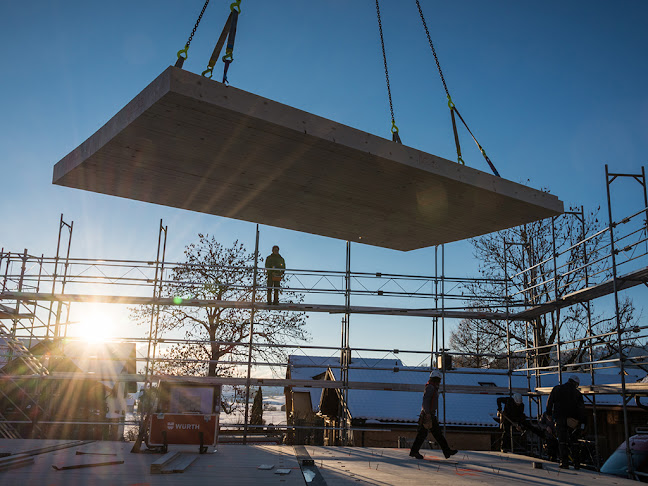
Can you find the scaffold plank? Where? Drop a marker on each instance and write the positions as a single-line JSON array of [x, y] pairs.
[[607, 389], [274, 382], [7, 313], [623, 282], [189, 142], [326, 308]]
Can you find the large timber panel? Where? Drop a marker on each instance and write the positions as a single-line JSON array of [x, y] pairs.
[[193, 143]]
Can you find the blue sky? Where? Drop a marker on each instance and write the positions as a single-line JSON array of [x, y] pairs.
[[553, 90]]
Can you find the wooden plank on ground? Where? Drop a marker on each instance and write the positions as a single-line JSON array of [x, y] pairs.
[[189, 142], [158, 465], [84, 463], [13, 462], [180, 463]]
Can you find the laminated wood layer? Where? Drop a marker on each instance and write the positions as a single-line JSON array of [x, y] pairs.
[[189, 142]]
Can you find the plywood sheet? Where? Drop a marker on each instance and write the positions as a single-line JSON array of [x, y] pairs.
[[189, 142]]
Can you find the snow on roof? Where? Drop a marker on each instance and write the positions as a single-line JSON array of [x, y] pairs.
[[397, 406], [461, 409], [308, 367]]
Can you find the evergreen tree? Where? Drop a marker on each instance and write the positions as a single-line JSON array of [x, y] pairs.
[[257, 409]]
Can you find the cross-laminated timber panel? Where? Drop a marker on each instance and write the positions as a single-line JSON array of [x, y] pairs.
[[189, 142]]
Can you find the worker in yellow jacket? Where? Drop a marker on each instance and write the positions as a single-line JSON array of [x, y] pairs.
[[275, 265]]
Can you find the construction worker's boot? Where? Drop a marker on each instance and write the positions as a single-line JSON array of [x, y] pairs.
[[449, 452]]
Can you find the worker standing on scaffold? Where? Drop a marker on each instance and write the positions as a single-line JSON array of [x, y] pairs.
[[428, 421], [276, 266], [566, 407]]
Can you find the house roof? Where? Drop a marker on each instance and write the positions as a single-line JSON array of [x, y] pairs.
[[302, 367], [461, 409]]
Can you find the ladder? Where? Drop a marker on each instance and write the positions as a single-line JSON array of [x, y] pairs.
[[6, 429], [34, 366]]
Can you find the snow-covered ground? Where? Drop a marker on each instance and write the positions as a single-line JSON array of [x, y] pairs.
[[272, 413]]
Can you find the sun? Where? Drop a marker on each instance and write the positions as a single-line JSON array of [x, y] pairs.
[[94, 325]]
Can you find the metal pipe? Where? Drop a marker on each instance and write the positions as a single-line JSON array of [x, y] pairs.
[[626, 430], [249, 361]]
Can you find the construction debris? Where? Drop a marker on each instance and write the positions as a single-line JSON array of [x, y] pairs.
[[82, 465], [156, 467], [180, 464], [173, 462], [13, 462]]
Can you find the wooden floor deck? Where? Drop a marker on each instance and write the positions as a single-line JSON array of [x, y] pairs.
[[332, 466]]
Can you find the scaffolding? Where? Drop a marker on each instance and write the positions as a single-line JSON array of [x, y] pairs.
[[38, 291]]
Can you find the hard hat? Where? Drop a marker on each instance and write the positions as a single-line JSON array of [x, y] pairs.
[[517, 398], [436, 374], [575, 379]]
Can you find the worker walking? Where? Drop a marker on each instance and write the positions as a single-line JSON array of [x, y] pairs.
[[566, 407], [276, 266], [428, 421]]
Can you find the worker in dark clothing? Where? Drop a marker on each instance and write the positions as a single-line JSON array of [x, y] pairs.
[[566, 407], [276, 266], [550, 443], [428, 421], [510, 411]]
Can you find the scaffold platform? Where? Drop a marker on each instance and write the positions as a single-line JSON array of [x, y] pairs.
[[273, 382], [640, 389], [623, 282], [7, 313], [325, 308]]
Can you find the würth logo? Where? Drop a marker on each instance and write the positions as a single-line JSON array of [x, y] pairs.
[[187, 426], [170, 425]]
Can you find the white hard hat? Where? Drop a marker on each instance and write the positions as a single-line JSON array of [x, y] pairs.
[[436, 374], [517, 398], [575, 379]]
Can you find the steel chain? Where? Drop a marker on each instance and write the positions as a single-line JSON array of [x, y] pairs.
[[197, 22], [427, 32], [382, 44]]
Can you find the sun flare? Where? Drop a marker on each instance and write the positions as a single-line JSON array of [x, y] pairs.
[[95, 326]]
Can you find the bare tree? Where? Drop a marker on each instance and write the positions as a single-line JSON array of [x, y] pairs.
[[525, 255], [480, 341], [215, 273]]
